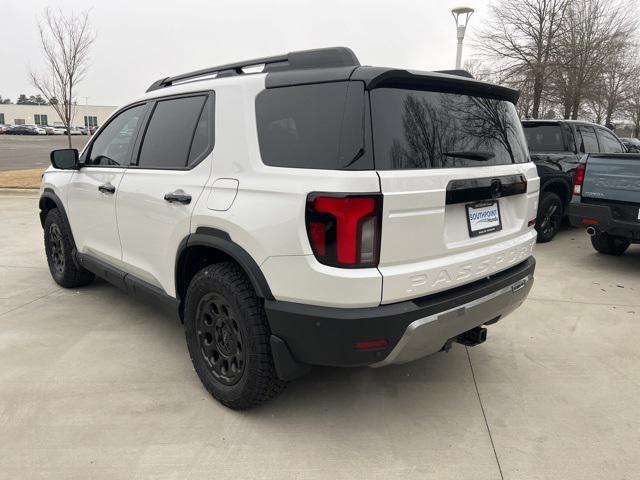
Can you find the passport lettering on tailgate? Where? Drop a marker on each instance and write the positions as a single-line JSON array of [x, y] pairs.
[[456, 274]]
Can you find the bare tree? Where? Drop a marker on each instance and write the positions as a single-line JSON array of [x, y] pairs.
[[594, 33], [595, 108], [520, 37], [66, 41], [633, 104], [618, 78]]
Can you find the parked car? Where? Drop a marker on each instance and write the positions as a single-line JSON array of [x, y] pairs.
[[556, 147], [632, 144], [26, 130], [55, 130], [3, 128], [74, 131], [606, 200], [294, 248]]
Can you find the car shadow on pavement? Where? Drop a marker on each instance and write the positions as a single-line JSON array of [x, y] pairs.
[[439, 376]]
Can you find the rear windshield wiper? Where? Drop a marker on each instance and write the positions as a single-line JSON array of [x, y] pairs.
[[479, 155]]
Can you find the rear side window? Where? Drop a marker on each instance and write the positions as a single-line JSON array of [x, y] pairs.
[[608, 142], [544, 137], [170, 132], [421, 129], [313, 126], [589, 140]]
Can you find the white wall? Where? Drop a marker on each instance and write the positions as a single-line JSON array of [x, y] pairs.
[[27, 113]]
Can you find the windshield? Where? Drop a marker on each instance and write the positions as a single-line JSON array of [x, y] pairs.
[[421, 129]]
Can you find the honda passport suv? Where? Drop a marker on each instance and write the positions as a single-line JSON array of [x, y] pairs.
[[303, 210]]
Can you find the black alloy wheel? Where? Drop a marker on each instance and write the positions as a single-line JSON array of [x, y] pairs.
[[220, 339], [60, 248], [549, 218], [56, 246]]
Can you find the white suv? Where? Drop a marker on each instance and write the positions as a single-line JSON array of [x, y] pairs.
[[314, 213]]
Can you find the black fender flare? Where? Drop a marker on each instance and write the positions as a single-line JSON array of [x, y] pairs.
[[221, 240], [49, 194]]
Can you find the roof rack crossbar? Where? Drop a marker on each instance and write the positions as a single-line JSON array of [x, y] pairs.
[[318, 58]]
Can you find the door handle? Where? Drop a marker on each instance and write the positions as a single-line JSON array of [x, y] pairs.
[[107, 188], [183, 198]]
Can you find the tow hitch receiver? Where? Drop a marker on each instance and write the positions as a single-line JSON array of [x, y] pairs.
[[472, 337]]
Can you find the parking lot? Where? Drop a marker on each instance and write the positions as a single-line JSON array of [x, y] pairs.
[[96, 385], [21, 152]]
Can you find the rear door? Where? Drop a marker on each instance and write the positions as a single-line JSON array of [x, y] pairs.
[[159, 191], [459, 190]]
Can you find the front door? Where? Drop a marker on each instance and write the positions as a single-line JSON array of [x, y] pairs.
[[94, 187]]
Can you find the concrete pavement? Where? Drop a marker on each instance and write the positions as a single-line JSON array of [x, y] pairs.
[[96, 385]]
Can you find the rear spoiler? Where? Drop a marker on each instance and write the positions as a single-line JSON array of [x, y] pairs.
[[380, 77]]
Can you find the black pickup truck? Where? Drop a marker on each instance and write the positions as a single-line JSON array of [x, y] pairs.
[[606, 200], [556, 147]]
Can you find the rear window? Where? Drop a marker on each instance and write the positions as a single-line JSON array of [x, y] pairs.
[[544, 138], [313, 126], [421, 129]]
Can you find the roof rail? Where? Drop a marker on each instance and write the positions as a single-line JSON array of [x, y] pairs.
[[317, 58], [459, 73]]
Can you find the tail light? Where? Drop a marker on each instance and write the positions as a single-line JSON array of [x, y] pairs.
[[344, 230], [578, 178]]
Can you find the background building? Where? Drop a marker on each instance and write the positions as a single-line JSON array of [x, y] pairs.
[[85, 115]]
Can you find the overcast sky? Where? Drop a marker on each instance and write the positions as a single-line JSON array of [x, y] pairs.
[[139, 41]]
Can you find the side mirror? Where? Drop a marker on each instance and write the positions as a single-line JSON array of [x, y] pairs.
[[65, 159]]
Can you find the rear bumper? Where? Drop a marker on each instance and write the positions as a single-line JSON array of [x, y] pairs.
[[585, 214], [318, 335]]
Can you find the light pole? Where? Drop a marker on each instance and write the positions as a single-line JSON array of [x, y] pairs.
[[461, 15]]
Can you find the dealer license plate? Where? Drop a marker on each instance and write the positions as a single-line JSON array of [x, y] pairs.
[[483, 218]]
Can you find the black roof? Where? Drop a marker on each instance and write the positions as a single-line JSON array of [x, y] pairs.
[[340, 64]]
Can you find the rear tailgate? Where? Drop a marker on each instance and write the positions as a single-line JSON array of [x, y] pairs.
[[612, 177], [459, 191]]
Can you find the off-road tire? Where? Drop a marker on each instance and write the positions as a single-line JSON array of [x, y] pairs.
[[549, 218], [213, 290], [609, 244], [60, 250]]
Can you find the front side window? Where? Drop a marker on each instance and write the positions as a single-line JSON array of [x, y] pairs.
[[608, 142], [589, 140], [170, 131], [415, 129], [113, 146]]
